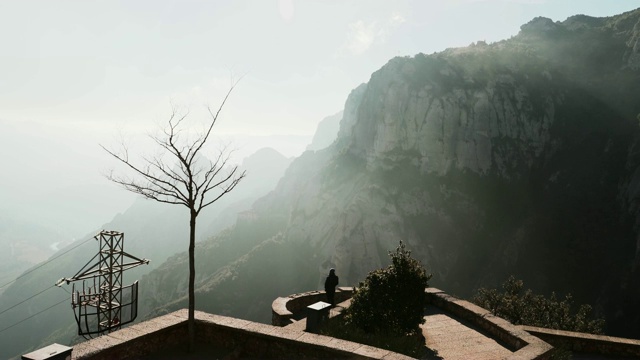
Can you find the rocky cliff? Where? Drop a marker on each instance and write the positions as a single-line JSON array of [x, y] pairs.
[[326, 132], [519, 157]]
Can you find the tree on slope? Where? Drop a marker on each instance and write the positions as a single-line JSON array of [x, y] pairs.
[[181, 175]]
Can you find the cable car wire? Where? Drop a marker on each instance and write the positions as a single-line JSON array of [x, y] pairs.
[[25, 300], [38, 313], [45, 263]]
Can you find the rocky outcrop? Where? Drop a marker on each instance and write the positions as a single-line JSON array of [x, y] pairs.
[[633, 54], [350, 113], [326, 132], [452, 129], [540, 25]]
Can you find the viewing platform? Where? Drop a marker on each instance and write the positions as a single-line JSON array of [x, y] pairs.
[[457, 329], [453, 329]]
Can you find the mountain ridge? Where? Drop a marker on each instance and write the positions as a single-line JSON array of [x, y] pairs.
[[517, 157]]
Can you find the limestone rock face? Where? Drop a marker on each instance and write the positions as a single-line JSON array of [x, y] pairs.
[[326, 132], [350, 115], [486, 160], [634, 46], [518, 157], [453, 129]]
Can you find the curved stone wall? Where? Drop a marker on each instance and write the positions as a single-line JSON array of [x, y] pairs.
[[285, 309]]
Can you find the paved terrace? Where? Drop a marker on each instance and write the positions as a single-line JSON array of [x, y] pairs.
[[453, 338], [458, 329], [454, 328]]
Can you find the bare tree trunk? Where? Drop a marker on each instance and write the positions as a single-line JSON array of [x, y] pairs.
[[192, 277], [191, 183]]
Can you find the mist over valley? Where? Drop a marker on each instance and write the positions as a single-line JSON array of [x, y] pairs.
[[518, 155]]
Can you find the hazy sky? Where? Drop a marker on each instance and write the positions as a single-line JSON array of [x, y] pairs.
[[78, 73]]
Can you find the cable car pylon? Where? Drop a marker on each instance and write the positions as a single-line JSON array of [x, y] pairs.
[[104, 305]]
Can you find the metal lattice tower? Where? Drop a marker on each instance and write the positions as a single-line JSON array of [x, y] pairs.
[[105, 305]]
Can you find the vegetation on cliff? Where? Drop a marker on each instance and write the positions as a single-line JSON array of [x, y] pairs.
[[526, 308]]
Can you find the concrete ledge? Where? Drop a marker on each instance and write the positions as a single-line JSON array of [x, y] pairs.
[[587, 343], [256, 340], [137, 340], [236, 337], [523, 344]]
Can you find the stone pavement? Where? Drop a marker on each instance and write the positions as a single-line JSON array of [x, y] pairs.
[[452, 338], [455, 339]]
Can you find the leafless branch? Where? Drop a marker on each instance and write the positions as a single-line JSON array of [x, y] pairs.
[[225, 189], [162, 186], [184, 181], [214, 118]]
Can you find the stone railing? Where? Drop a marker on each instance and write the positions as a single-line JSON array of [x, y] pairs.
[[284, 308], [587, 343], [221, 337], [531, 342], [523, 344]]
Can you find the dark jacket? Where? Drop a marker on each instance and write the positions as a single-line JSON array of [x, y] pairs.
[[330, 283]]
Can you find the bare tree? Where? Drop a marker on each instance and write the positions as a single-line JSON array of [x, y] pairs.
[[189, 180]]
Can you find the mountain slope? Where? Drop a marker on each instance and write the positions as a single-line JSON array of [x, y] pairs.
[[152, 230], [519, 157]]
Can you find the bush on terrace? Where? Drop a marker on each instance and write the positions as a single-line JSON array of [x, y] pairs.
[[391, 300]]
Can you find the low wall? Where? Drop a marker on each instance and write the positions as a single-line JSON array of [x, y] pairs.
[[136, 341], [587, 343], [284, 308], [523, 344], [228, 337]]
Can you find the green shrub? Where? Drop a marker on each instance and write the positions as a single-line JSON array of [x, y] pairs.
[[391, 300], [527, 308]]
